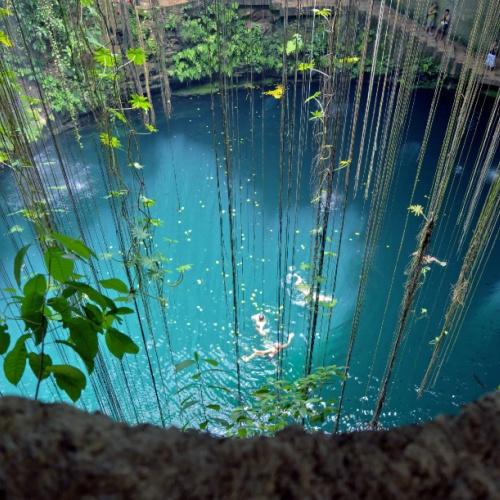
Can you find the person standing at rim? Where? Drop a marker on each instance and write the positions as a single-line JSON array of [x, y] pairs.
[[432, 14], [491, 58], [444, 26]]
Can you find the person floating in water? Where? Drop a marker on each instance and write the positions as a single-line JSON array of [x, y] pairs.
[[270, 351], [429, 259], [305, 290], [260, 324], [444, 26], [432, 14]]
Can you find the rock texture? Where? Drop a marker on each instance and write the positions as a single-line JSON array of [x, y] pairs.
[[58, 452]]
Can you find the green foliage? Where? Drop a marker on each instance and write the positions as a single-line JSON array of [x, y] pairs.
[[109, 140], [139, 102], [242, 47], [105, 57], [279, 403], [5, 40], [294, 45], [136, 56], [4, 339], [54, 301]]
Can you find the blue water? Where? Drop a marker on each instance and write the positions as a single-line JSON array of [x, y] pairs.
[[180, 174]]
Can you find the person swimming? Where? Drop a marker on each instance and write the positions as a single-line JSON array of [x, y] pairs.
[[270, 351], [260, 322], [305, 290], [429, 259]]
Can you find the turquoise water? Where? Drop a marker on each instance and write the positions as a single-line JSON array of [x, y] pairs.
[[180, 173]]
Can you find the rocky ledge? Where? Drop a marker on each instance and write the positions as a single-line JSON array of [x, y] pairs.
[[52, 451]]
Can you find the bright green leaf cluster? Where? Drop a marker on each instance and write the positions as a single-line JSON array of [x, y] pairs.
[[57, 301]]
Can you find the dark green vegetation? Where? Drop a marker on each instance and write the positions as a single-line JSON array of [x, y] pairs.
[[62, 301], [62, 52]]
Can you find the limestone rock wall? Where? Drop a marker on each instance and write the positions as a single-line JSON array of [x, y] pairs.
[[58, 452]]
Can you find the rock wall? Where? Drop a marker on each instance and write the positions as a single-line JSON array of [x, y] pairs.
[[56, 451]]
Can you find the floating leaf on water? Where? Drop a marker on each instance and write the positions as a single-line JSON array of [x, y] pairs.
[[16, 229], [151, 128], [184, 268]]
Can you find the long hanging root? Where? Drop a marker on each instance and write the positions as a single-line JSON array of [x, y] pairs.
[[412, 285]]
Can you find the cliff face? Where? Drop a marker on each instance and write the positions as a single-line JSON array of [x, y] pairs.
[[56, 451]]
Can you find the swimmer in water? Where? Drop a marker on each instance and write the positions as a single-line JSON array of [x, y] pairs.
[[270, 351], [260, 324], [429, 259], [305, 290]]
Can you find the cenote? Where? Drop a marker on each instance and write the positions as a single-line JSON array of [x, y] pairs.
[[243, 202]]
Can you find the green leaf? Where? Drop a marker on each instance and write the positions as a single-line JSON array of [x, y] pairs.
[[60, 305], [5, 40], [109, 140], [4, 339], [203, 425], [147, 202], [305, 66], [222, 422], [37, 284], [18, 263], [84, 336], [32, 307], [139, 102], [187, 404], [15, 362], [184, 268], [59, 267], [117, 114], [212, 362], [39, 364], [184, 364], [115, 284], [70, 379], [105, 58], [136, 56], [214, 407], [74, 246], [295, 44], [123, 310], [89, 362], [119, 344], [91, 293], [313, 96]]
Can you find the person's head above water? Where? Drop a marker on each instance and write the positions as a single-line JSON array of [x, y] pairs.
[[261, 317]]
